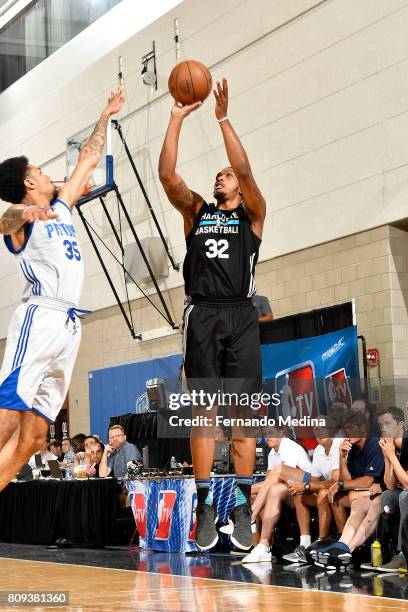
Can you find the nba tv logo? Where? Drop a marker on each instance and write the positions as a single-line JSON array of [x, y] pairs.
[[337, 388], [297, 388], [139, 512], [165, 506]]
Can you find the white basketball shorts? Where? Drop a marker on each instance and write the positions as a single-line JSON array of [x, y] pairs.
[[38, 361]]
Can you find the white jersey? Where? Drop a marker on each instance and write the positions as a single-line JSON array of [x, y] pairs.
[[50, 260]]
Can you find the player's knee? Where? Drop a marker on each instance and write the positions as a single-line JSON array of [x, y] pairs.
[[31, 445], [31, 441]]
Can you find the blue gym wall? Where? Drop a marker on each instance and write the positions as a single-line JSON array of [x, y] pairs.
[[114, 391]]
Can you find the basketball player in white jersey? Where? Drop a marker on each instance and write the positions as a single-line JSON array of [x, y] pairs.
[[44, 333]]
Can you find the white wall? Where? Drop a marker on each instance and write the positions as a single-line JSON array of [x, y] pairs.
[[318, 95]]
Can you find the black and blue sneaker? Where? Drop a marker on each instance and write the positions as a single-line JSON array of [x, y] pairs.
[[206, 535], [241, 536]]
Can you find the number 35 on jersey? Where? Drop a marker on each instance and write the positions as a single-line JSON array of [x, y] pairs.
[[72, 250]]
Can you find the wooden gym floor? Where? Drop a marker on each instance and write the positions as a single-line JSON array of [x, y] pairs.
[[98, 588]]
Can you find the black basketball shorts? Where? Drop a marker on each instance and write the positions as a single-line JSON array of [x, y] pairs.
[[222, 348]]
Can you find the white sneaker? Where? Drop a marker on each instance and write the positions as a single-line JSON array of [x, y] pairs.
[[258, 555]]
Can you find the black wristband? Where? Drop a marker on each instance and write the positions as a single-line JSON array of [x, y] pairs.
[[341, 484]]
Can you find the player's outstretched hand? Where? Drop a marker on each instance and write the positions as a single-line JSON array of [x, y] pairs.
[[182, 110], [33, 213], [221, 99], [17, 215], [115, 101]]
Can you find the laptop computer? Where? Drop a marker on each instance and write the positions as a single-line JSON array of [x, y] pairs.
[[38, 461], [54, 468]]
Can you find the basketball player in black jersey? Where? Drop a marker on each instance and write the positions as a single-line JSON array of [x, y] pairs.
[[221, 331]]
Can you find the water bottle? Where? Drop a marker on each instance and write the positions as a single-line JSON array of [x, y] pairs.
[[173, 464], [376, 555], [68, 473]]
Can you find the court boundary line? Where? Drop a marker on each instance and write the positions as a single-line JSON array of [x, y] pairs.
[[274, 586]]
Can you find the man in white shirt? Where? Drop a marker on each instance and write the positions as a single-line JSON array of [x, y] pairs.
[[325, 472], [288, 462], [286, 453], [45, 456]]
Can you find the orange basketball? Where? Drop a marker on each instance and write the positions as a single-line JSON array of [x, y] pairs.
[[190, 82]]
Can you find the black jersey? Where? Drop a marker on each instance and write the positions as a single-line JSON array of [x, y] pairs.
[[222, 251]]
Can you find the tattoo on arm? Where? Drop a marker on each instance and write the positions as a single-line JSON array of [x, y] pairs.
[[184, 199], [12, 220], [180, 195], [95, 143]]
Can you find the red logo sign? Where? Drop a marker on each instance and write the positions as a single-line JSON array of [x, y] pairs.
[[167, 499], [139, 512], [337, 388], [297, 390]]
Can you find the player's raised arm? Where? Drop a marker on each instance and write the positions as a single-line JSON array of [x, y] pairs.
[[17, 216], [91, 152], [253, 200], [186, 201]]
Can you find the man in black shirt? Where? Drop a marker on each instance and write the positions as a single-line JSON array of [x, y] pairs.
[[221, 331], [395, 499], [358, 488]]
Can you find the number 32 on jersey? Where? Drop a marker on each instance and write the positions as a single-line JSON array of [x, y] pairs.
[[216, 248]]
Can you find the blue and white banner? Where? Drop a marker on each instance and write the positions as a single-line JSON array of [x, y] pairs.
[[164, 510], [311, 373]]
